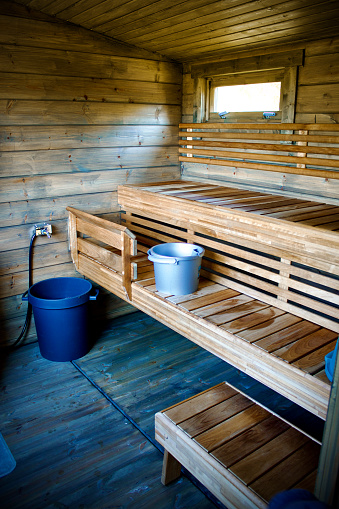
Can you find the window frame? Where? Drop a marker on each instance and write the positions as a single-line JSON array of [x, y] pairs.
[[250, 78], [284, 64]]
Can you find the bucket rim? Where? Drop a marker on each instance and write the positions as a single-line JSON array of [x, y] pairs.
[[81, 297], [200, 252]]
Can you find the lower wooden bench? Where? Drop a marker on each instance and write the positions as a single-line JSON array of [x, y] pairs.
[[239, 450]]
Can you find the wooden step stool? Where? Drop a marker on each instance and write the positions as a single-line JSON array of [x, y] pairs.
[[239, 450]]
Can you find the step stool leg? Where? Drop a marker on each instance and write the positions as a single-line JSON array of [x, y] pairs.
[[171, 468]]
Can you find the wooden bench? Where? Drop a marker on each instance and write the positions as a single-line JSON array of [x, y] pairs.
[[239, 450], [268, 296]]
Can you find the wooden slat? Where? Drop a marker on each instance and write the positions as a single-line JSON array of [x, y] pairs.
[[234, 450], [263, 167], [113, 238], [285, 335], [111, 260], [219, 156], [233, 426], [257, 148], [200, 403], [265, 127], [267, 456], [288, 472], [255, 333], [257, 134], [201, 423]]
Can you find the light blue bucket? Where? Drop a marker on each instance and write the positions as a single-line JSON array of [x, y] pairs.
[[330, 362], [176, 267]]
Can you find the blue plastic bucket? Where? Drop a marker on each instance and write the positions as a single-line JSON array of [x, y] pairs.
[[330, 360], [61, 315], [176, 267]]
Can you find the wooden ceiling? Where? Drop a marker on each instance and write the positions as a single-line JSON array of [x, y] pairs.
[[200, 30]]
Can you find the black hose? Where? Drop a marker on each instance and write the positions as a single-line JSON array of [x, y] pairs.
[[29, 306]]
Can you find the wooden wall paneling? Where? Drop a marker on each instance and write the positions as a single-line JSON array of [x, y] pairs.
[[68, 184], [312, 188], [42, 162], [323, 98], [85, 136], [13, 112], [324, 46], [317, 68], [21, 234], [51, 87], [248, 64], [30, 211], [24, 59], [45, 254], [70, 133]]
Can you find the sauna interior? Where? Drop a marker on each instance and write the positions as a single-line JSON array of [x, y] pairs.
[[97, 95]]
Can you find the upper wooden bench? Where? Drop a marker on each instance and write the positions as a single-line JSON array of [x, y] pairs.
[[268, 297]]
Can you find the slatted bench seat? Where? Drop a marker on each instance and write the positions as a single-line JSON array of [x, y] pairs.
[[269, 293], [239, 450]]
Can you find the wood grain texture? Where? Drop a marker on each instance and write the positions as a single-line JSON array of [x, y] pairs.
[[255, 444], [65, 123]]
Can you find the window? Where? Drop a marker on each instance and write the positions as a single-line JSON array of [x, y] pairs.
[[244, 97], [253, 97]]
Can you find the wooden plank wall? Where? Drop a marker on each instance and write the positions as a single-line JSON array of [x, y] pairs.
[[78, 116], [317, 101]]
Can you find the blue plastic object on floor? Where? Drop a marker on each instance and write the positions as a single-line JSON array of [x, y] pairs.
[[62, 317], [330, 359], [7, 462], [296, 499]]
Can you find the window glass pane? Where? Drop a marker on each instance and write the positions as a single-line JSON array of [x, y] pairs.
[[253, 97]]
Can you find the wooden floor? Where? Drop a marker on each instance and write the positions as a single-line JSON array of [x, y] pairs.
[[82, 432]]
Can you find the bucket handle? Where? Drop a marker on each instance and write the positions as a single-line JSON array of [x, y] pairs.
[[94, 297], [155, 259], [24, 296]]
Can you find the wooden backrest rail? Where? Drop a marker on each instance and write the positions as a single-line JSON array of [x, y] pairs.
[[297, 151]]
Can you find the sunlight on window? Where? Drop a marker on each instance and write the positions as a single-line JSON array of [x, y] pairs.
[[254, 97]]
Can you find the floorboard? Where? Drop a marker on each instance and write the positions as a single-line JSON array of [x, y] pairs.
[[81, 432]]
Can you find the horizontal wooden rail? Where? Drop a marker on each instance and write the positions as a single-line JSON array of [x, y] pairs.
[[266, 127], [288, 148]]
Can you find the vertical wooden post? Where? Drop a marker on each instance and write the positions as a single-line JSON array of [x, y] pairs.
[[286, 274], [199, 100], [327, 483], [126, 264], [288, 94], [73, 238], [302, 154]]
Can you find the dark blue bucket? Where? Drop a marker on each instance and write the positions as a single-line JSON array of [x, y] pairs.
[[62, 317]]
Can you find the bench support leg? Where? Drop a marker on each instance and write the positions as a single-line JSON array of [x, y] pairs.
[[171, 468]]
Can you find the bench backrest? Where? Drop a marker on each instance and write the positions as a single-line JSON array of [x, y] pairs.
[[301, 149]]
